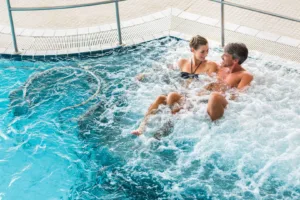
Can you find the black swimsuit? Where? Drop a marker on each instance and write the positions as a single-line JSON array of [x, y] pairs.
[[186, 75]]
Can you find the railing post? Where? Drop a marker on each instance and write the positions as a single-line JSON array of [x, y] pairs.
[[118, 21], [222, 24], [13, 34]]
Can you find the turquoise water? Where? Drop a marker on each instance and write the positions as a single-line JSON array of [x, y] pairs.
[[51, 150]]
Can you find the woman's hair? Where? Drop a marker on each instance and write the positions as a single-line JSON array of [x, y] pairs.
[[197, 41]]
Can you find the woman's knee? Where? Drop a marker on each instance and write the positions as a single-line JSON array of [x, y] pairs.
[[161, 99], [173, 97]]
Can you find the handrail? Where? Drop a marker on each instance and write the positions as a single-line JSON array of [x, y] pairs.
[[62, 7], [222, 2], [256, 10], [10, 9]]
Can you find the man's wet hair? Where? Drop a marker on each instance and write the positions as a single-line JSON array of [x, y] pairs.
[[197, 41], [238, 51]]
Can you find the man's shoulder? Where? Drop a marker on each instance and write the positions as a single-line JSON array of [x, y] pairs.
[[246, 74]]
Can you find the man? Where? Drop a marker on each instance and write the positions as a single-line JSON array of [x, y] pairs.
[[230, 75]]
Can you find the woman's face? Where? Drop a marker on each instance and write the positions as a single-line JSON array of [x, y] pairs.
[[201, 52]]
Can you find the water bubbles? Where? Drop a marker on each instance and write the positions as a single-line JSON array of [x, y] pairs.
[[251, 153]]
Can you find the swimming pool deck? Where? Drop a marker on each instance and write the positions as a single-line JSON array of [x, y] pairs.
[[73, 31]]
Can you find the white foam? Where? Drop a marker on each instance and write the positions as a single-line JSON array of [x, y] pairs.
[[257, 138], [3, 135], [255, 146]]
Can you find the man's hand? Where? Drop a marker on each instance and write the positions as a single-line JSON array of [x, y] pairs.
[[233, 96]]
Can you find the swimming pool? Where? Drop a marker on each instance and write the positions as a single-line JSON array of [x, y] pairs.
[[51, 147]]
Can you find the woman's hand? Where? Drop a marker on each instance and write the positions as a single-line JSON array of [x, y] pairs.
[[172, 66]]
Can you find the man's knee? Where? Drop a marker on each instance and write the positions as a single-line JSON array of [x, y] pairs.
[[216, 106], [215, 114], [217, 98]]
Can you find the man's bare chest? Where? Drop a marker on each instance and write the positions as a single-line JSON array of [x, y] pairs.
[[231, 79]]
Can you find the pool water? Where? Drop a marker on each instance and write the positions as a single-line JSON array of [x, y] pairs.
[[65, 128]]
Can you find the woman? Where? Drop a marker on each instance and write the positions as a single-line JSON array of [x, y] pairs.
[[189, 70]]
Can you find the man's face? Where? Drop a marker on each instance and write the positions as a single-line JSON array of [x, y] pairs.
[[228, 60], [201, 52]]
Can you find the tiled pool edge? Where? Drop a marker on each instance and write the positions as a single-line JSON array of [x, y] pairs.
[[103, 51], [171, 12], [108, 51]]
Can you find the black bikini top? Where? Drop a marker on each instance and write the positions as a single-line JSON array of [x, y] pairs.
[[186, 75]]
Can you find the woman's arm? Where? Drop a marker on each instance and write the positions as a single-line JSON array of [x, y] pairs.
[[212, 68], [175, 66], [180, 63]]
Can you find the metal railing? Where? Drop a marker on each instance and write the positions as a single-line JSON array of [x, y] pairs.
[[10, 9], [222, 2]]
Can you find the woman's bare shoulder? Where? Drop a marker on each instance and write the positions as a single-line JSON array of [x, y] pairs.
[[182, 62], [211, 63]]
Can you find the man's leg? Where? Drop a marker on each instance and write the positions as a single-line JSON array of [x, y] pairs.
[[216, 106]]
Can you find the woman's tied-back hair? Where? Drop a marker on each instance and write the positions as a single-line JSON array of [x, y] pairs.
[[238, 51], [197, 41]]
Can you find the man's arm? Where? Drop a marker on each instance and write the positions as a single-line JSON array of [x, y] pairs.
[[245, 81]]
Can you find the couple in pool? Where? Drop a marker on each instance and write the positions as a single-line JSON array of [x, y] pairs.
[[230, 74]]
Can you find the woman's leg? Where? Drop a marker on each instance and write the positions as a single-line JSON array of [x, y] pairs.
[[159, 100], [216, 106], [173, 98], [170, 100]]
